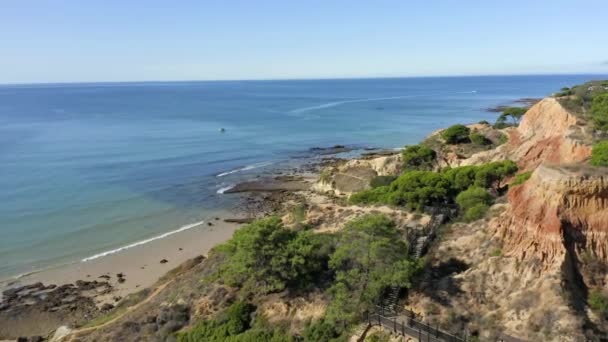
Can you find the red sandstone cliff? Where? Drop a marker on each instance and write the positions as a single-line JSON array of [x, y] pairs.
[[563, 207], [557, 210], [548, 134]]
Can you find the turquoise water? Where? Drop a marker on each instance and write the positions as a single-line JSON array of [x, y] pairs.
[[88, 168]]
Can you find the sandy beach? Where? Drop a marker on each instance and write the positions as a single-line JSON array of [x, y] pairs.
[[141, 266]]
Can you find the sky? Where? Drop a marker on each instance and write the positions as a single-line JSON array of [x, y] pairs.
[[137, 40]]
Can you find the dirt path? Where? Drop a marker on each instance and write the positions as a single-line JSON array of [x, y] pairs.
[[77, 332]]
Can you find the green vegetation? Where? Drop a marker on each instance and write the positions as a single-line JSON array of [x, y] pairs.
[[233, 325], [381, 181], [474, 202], [473, 196], [496, 252], [580, 99], [456, 134], [599, 112], [416, 190], [599, 154], [418, 157], [515, 113], [479, 139], [265, 257], [321, 331], [598, 302], [354, 266], [370, 256], [521, 178]]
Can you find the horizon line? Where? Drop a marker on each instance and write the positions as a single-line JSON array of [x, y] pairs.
[[297, 79]]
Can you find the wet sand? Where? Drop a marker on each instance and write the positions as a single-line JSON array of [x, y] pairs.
[[140, 266]]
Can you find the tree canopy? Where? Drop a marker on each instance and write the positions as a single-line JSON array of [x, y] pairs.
[[418, 157], [456, 134], [264, 256], [370, 256]]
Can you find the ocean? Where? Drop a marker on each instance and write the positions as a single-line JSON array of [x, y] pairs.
[[88, 169]]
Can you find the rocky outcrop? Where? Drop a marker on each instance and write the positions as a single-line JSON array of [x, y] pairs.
[[558, 210], [356, 174], [548, 133]]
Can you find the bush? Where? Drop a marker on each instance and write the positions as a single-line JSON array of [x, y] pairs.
[[599, 112], [598, 302], [379, 181], [418, 157], [265, 257], [320, 331], [456, 134], [373, 196], [479, 139], [483, 122], [472, 197], [496, 252], [417, 189], [371, 255], [476, 212], [490, 175], [521, 178], [484, 176], [599, 154], [234, 321]]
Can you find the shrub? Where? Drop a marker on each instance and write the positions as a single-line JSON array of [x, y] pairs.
[[483, 122], [371, 255], [456, 134], [476, 212], [496, 252], [417, 189], [599, 112], [472, 197], [599, 154], [379, 181], [489, 175], [521, 178], [373, 196], [503, 139], [264, 256], [236, 324], [320, 331], [418, 157], [479, 139], [598, 302]]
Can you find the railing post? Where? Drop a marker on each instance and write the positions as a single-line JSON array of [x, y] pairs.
[[395, 324]]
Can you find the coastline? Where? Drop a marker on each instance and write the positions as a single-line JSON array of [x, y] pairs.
[[140, 265]]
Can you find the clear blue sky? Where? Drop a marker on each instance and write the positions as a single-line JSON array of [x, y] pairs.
[[130, 40]]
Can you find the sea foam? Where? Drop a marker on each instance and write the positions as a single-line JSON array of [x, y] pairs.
[[139, 243]]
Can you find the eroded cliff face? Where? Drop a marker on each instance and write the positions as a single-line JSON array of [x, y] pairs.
[[356, 174], [557, 210], [548, 134]]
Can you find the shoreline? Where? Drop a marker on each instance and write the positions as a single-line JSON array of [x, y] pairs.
[[141, 263]]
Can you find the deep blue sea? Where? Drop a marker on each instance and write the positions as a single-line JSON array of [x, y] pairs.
[[87, 168]]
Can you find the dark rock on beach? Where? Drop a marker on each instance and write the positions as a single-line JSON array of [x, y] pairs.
[[269, 184], [36, 309], [330, 150]]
